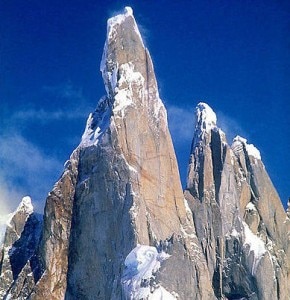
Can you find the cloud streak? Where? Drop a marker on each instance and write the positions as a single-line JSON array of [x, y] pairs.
[[181, 124], [25, 170], [230, 126], [28, 168], [45, 116]]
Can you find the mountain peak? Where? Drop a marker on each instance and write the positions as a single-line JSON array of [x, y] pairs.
[[25, 205], [123, 45], [205, 121], [205, 117], [128, 10]]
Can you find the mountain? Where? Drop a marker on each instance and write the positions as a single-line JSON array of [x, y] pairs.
[[117, 224], [19, 266], [239, 218]]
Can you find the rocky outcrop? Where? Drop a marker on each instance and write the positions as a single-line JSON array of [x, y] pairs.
[[18, 262], [238, 215], [267, 217], [54, 245]]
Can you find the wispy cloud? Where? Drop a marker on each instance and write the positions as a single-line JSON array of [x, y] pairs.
[[54, 103], [10, 195], [181, 124], [26, 167], [64, 90], [45, 116], [25, 170], [230, 126]]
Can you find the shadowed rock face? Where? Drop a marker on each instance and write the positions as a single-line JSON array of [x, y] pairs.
[[117, 224], [18, 261], [238, 216]]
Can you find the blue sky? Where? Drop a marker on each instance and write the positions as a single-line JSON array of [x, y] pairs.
[[234, 55]]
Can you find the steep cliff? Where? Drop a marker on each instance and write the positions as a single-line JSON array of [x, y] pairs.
[[239, 219], [21, 231], [121, 188]]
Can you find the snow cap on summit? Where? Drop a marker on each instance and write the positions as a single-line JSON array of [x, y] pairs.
[[25, 205], [250, 148], [123, 42], [205, 117], [128, 10]]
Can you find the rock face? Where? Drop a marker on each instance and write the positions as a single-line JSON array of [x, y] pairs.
[[121, 188], [239, 219], [128, 178], [18, 263], [117, 224]]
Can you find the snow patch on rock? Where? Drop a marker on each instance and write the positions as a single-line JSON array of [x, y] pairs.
[[138, 278], [129, 82], [205, 121], [97, 124], [240, 143], [250, 207], [112, 24], [205, 117], [25, 205], [254, 247]]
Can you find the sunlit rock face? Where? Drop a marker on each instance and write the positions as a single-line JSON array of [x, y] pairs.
[[121, 188], [238, 216]]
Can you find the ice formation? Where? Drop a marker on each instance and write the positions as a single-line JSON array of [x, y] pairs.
[[25, 205], [205, 117], [255, 247], [138, 278]]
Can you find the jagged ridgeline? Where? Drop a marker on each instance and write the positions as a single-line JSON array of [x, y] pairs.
[[117, 225]]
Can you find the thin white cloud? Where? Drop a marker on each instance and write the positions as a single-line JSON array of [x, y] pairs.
[[45, 116], [181, 124], [25, 170], [66, 103], [10, 196], [25, 167], [64, 90], [230, 126]]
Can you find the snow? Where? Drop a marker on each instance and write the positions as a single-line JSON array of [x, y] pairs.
[[112, 24], [25, 205], [125, 87], [97, 124], [4, 221], [161, 294], [205, 117], [129, 81], [234, 233], [118, 19], [255, 246], [253, 151], [141, 264], [205, 121], [238, 144], [250, 206]]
